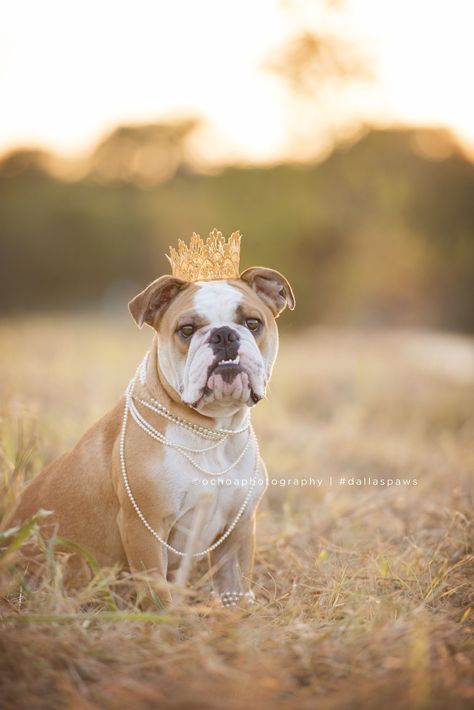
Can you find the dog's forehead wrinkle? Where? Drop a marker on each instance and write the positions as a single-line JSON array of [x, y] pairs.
[[217, 301]]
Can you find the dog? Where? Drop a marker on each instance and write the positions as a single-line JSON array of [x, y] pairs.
[[129, 490]]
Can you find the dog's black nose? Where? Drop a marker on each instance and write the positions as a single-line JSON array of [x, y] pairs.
[[225, 341], [223, 336]]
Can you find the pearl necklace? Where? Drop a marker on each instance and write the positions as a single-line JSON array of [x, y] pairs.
[[155, 434]]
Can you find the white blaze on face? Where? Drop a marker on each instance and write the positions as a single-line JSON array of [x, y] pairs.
[[217, 302]]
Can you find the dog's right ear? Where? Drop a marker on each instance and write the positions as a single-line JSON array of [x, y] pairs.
[[149, 305]]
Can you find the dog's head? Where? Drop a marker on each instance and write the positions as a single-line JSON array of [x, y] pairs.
[[217, 340]]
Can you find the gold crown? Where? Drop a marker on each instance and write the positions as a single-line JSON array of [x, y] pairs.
[[205, 261]]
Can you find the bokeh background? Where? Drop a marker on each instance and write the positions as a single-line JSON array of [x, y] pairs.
[[338, 136]]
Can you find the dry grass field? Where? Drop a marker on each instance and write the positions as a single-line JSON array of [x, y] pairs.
[[362, 590]]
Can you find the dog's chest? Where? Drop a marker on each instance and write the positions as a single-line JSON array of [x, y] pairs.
[[184, 478]]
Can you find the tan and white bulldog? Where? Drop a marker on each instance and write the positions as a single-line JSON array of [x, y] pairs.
[[128, 497]]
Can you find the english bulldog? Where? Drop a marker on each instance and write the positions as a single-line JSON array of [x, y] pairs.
[[129, 490]]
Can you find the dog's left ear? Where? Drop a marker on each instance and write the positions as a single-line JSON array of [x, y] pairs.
[[271, 286], [149, 305]]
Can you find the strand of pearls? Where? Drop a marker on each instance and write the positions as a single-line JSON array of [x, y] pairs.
[[158, 436], [123, 467], [204, 432], [231, 598], [181, 446]]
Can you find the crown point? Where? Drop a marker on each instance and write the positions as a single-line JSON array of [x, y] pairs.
[[213, 259]]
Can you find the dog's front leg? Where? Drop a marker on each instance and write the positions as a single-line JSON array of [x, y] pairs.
[[145, 555], [232, 564]]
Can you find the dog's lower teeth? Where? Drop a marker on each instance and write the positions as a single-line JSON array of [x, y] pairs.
[[230, 362]]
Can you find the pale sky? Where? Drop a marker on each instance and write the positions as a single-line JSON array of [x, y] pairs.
[[70, 71]]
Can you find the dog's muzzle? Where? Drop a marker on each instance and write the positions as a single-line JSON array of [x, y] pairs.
[[225, 343], [233, 369]]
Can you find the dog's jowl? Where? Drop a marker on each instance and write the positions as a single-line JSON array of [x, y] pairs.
[[173, 472]]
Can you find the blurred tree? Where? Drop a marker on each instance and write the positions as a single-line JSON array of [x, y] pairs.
[[313, 64], [147, 154], [319, 66], [24, 160], [379, 233]]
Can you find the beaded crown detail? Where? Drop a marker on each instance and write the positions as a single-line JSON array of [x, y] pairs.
[[213, 259]]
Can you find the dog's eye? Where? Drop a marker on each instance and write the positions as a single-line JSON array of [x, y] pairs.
[[186, 330], [253, 324]]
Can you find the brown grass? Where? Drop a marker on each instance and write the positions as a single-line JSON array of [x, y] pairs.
[[363, 592]]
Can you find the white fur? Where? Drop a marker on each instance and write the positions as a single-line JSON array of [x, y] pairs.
[[217, 301], [181, 486]]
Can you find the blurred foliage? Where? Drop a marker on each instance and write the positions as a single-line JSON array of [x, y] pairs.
[[322, 68], [147, 154], [311, 63], [380, 232]]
